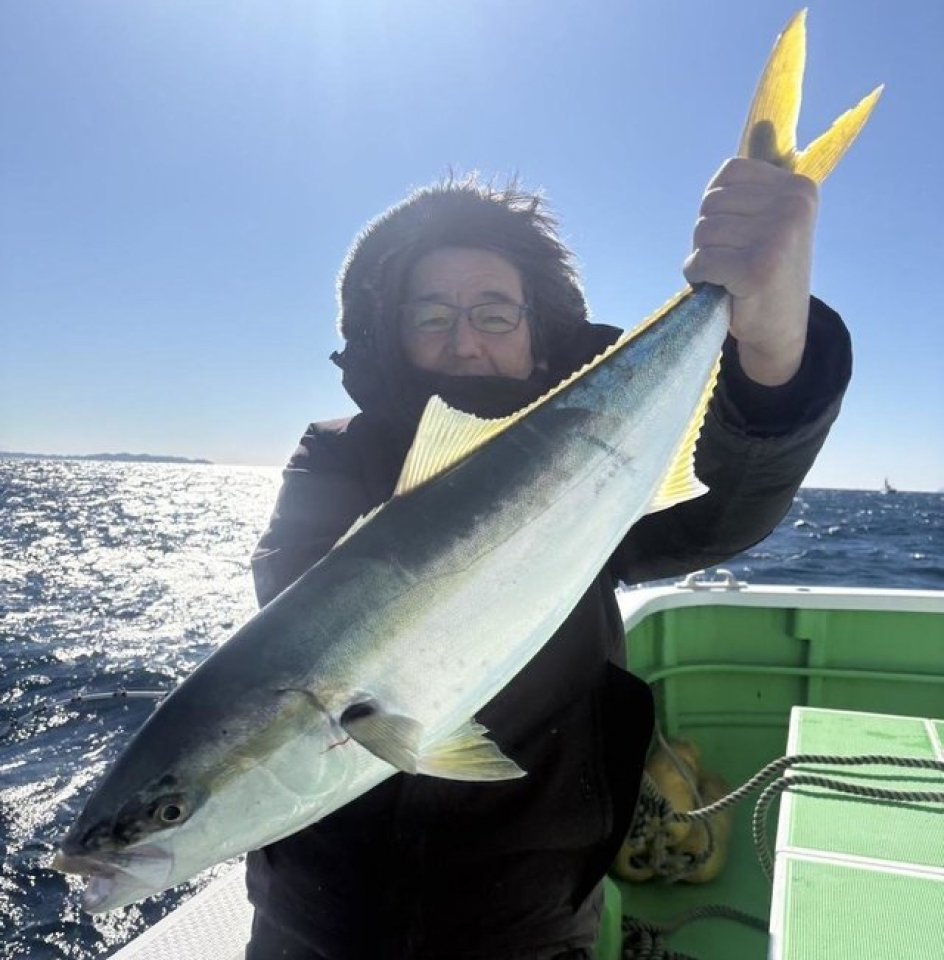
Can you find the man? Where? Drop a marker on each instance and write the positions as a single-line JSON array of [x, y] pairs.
[[468, 293]]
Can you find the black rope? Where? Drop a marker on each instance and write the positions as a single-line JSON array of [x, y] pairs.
[[642, 941], [645, 940]]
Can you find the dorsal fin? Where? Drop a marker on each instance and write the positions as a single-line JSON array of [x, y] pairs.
[[444, 438]]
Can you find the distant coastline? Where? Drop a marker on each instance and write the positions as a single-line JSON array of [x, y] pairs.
[[113, 457]]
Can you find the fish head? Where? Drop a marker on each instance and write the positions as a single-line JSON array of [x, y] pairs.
[[126, 849], [130, 836], [189, 792]]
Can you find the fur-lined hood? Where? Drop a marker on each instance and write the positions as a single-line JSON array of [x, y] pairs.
[[512, 223]]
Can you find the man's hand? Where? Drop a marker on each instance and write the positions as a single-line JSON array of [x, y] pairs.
[[754, 236]]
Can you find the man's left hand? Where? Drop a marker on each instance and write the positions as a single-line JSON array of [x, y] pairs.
[[754, 236]]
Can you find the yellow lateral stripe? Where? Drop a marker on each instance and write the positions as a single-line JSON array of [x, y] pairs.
[[820, 158], [770, 130], [680, 482]]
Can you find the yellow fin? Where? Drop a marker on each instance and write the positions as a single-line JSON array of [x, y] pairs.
[[444, 438], [770, 131], [820, 158], [680, 482], [468, 754]]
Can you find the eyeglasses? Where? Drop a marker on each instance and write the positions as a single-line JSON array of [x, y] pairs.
[[427, 317]]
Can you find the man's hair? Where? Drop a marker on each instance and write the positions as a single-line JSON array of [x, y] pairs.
[[508, 221]]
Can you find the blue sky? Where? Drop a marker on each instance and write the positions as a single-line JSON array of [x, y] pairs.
[[180, 181]]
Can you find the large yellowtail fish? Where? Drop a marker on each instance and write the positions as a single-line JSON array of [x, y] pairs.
[[379, 657]]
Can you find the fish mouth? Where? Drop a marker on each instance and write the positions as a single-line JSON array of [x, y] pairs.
[[116, 878]]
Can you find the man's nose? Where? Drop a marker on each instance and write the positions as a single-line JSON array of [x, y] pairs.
[[465, 338]]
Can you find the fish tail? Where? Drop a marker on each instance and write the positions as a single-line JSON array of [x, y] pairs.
[[770, 131]]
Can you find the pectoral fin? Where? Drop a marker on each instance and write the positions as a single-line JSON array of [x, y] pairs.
[[390, 736], [465, 755]]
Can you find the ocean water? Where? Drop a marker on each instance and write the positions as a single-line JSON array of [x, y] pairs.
[[125, 576]]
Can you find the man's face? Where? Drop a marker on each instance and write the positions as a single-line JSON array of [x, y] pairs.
[[465, 277]]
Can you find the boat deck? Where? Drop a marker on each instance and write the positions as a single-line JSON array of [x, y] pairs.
[[212, 925]]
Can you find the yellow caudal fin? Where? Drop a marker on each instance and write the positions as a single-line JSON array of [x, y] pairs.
[[770, 131], [445, 437], [819, 159]]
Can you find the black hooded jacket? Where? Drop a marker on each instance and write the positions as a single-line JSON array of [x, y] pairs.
[[427, 868]]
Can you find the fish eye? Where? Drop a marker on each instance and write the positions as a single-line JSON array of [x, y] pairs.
[[170, 811]]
